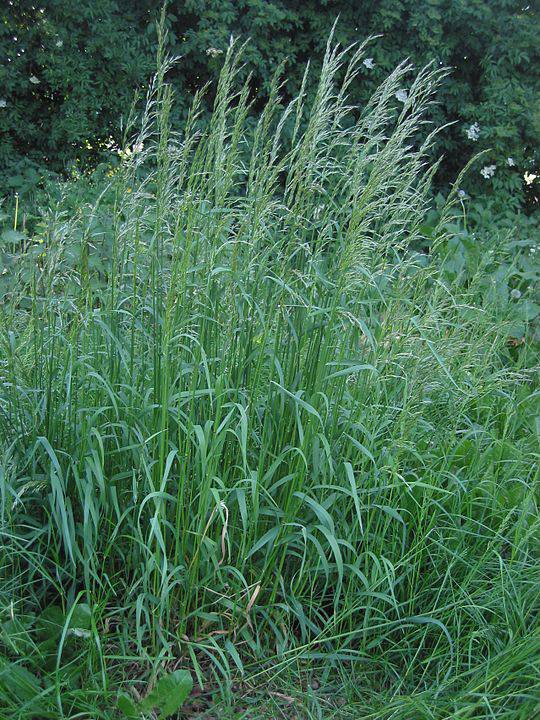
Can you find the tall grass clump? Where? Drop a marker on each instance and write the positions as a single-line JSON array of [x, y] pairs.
[[266, 441]]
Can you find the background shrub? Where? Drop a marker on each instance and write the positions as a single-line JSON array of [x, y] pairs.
[[86, 59], [68, 75]]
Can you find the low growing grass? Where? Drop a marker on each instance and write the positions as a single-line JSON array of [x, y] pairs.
[[266, 441]]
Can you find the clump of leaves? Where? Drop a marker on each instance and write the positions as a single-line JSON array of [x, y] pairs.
[[166, 697]]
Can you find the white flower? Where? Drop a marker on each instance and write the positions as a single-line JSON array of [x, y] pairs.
[[127, 152], [473, 132], [511, 162], [34, 80], [488, 171], [402, 95], [515, 293], [59, 43], [529, 178], [368, 62], [214, 52], [462, 194], [3, 103]]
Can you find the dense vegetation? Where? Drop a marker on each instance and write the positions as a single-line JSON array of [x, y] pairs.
[[69, 70], [267, 419]]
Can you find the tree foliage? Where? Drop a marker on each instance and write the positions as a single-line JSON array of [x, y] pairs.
[[89, 57]]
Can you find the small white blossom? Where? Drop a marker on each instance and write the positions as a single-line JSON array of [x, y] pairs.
[[214, 52], [128, 152], [3, 103], [59, 43], [488, 171], [402, 95], [515, 293], [529, 178], [511, 162], [462, 194], [473, 132], [34, 80], [368, 62]]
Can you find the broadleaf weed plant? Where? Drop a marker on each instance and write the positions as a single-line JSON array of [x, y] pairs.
[[267, 439]]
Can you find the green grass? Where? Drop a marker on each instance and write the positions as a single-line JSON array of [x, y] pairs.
[[266, 440]]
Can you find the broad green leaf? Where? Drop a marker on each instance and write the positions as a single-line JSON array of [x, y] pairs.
[[50, 622], [12, 237], [81, 617], [169, 694], [528, 310], [127, 706], [18, 681]]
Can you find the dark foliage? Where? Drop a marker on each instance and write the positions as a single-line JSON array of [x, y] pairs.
[[70, 69]]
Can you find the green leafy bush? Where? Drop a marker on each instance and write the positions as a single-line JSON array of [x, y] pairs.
[[501, 252], [69, 74]]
